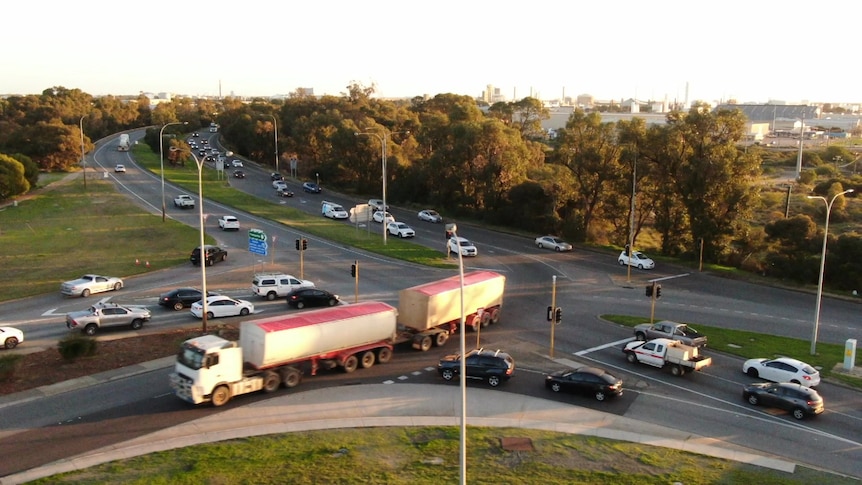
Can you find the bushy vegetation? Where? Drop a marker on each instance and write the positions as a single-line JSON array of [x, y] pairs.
[[8, 366], [76, 345]]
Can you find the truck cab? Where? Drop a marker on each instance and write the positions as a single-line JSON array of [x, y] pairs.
[[203, 364]]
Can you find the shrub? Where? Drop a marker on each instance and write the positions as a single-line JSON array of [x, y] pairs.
[[8, 365], [77, 345]]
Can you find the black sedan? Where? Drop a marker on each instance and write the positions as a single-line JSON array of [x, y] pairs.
[[181, 298], [311, 187], [238, 174], [276, 176], [303, 297], [801, 401], [585, 380]]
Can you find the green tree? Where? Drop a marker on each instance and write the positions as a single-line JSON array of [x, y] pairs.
[[12, 179]]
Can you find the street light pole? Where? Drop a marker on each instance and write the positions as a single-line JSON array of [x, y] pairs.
[[275, 132], [83, 159], [452, 228], [822, 266], [162, 160], [383, 141]]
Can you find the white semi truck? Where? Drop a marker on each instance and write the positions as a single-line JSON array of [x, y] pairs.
[[428, 314], [124, 144], [276, 351]]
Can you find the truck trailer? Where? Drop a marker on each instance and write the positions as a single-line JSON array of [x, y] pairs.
[[428, 314], [124, 144], [276, 351]]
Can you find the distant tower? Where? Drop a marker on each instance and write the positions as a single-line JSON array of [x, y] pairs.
[[686, 96], [219, 89]]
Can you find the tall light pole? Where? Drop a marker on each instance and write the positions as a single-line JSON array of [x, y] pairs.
[[452, 228], [799, 155], [202, 259], [632, 220], [383, 140], [83, 159], [275, 132], [162, 159], [822, 266]]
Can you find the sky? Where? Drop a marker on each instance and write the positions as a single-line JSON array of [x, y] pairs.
[[750, 51]]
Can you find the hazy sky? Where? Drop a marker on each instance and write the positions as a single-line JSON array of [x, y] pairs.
[[753, 50]]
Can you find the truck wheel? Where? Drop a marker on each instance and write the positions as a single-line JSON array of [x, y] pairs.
[[631, 357], [350, 364], [475, 321], [486, 319], [493, 381], [221, 395], [447, 374], [117, 286], [178, 306], [11, 343], [271, 382], [91, 329], [243, 312], [291, 377], [677, 370], [495, 316], [85, 293], [425, 343], [384, 355], [137, 324], [640, 336], [271, 296], [367, 359], [441, 339]]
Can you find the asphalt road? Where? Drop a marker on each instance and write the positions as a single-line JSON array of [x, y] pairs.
[[588, 284]]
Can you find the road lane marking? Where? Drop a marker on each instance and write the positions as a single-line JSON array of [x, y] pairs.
[[602, 347]]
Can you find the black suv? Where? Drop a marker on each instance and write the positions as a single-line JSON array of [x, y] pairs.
[[493, 366], [214, 254]]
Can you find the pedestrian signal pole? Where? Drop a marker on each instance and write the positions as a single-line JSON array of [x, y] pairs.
[[354, 271], [552, 312]]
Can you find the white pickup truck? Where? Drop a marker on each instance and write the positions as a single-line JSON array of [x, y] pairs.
[[184, 202], [662, 351], [276, 285]]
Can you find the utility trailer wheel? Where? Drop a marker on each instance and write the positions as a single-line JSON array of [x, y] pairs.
[[384, 355], [486, 319], [631, 357], [367, 360], [350, 364], [495, 316], [441, 339], [425, 343], [221, 395], [291, 377], [677, 370], [271, 381]]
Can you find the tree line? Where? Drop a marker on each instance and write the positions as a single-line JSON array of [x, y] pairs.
[[687, 189]]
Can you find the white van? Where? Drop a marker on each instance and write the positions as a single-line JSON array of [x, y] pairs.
[[333, 210]]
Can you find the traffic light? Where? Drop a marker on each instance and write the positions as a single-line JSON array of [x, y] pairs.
[[304, 244], [628, 250], [558, 315], [353, 270], [649, 291], [657, 292], [550, 313], [448, 235], [297, 245]]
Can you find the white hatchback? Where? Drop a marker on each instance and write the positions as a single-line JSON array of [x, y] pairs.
[[782, 369]]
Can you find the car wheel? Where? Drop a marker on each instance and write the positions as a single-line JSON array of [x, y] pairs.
[[799, 413], [178, 306], [557, 249], [271, 296], [447, 374], [794, 381], [753, 400], [556, 387], [224, 257], [117, 286], [333, 302], [541, 246], [622, 263], [494, 381], [300, 305], [640, 336], [243, 312], [640, 266], [85, 293], [210, 315], [631, 357], [752, 372], [600, 396], [11, 343], [137, 324]]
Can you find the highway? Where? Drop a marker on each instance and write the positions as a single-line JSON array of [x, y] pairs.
[[589, 284]]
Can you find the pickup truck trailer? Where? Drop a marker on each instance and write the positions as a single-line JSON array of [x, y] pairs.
[[275, 351], [663, 352], [671, 330], [429, 313]]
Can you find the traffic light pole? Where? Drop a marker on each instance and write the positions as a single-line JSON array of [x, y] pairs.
[[354, 271], [552, 312]]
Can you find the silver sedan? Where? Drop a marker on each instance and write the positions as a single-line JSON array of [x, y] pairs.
[[553, 242]]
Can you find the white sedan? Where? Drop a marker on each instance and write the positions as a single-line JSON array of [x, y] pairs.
[[553, 242], [236, 163], [10, 337], [464, 245], [120, 168], [429, 215], [400, 229], [223, 306], [782, 369], [279, 184], [379, 217], [638, 259]]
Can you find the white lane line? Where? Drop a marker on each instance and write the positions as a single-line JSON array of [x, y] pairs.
[[602, 347]]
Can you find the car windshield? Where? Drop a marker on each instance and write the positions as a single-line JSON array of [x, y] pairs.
[[190, 357], [464, 242], [639, 255]]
